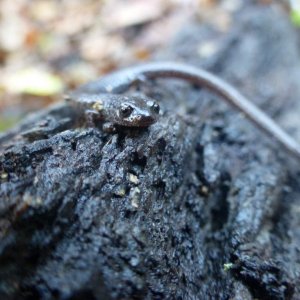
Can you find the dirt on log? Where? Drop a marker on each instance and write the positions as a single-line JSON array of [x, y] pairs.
[[200, 205]]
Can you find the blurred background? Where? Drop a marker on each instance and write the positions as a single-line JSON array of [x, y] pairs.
[[48, 47]]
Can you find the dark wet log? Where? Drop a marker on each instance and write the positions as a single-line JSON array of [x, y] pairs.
[[198, 206]]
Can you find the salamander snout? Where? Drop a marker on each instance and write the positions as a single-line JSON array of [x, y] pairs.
[[139, 112]]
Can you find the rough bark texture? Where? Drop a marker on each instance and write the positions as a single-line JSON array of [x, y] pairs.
[[198, 206]]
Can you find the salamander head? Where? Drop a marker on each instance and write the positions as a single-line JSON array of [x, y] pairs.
[[137, 111]]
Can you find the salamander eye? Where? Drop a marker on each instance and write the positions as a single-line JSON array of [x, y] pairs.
[[126, 110], [153, 106]]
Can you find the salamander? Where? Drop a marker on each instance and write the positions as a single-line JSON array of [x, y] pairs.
[[120, 81], [113, 109]]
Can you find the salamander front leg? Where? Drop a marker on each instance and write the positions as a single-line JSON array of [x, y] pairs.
[[91, 116], [109, 127]]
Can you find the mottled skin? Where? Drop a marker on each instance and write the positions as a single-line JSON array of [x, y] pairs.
[[120, 81], [129, 111]]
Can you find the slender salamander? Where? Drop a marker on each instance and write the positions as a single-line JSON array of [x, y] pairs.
[[130, 111], [120, 81]]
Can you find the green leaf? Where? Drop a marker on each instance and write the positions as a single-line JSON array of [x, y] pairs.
[[7, 122], [35, 82], [295, 17]]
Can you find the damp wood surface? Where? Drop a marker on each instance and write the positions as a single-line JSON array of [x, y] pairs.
[[200, 205]]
